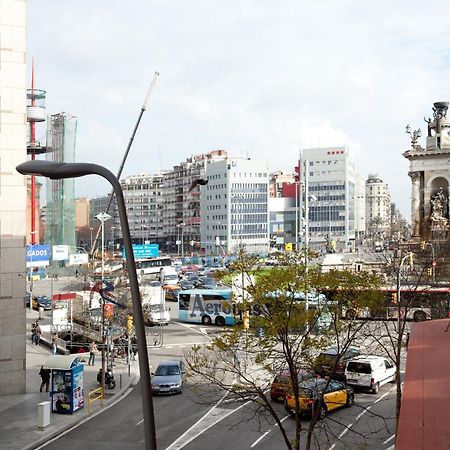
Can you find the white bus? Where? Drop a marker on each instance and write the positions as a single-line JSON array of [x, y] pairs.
[[152, 265]]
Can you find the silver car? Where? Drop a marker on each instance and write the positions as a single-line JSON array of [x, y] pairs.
[[168, 378]]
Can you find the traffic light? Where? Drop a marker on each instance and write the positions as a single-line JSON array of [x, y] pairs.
[[430, 271], [130, 323]]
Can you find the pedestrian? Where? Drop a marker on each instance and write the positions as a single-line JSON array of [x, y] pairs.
[[92, 349], [45, 376], [37, 333], [33, 332], [54, 345], [76, 273]]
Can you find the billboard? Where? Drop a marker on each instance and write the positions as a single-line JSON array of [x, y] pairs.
[[143, 251], [37, 255], [60, 253]]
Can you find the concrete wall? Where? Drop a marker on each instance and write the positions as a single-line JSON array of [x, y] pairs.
[[12, 195]]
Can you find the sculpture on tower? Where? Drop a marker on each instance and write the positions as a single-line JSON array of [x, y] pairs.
[[430, 176]]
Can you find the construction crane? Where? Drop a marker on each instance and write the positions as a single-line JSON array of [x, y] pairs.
[[127, 151]]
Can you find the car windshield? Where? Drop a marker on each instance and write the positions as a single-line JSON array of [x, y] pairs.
[[359, 367], [167, 370]]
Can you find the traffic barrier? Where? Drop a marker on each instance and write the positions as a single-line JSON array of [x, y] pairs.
[[96, 394]]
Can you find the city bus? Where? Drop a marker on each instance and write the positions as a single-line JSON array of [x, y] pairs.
[[150, 266], [206, 306], [418, 304]]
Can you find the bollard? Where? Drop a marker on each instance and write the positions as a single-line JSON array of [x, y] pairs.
[[120, 381], [41, 312], [43, 415]]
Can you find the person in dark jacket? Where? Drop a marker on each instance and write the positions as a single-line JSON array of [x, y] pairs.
[[45, 376]]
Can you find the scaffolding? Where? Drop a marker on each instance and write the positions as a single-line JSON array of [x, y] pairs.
[[60, 212]]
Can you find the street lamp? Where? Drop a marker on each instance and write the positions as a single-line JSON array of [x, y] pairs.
[[56, 171], [91, 239]]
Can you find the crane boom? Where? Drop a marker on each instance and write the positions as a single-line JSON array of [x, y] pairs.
[[127, 151]]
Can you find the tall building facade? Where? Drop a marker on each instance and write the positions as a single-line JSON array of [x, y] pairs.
[[143, 196], [331, 196], [181, 212], [378, 207], [13, 191], [234, 206]]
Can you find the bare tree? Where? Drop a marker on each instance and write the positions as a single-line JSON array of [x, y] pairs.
[[286, 321]]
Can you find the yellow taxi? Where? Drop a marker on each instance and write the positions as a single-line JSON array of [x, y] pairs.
[[335, 395]]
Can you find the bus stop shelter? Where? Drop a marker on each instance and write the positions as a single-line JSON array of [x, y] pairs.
[[67, 392]]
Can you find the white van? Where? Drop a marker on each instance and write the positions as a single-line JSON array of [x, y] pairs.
[[165, 271], [369, 372]]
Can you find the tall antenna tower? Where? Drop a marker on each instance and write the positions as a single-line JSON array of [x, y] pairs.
[[35, 113]]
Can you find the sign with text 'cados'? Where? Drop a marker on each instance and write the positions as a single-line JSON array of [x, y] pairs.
[[37, 255]]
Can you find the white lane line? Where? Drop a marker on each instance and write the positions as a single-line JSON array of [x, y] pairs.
[[213, 416], [140, 422], [267, 432], [388, 439], [349, 426], [190, 327]]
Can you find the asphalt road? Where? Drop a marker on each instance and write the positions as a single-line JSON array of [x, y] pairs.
[[193, 421]]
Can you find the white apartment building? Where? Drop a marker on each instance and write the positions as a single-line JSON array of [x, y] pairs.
[[378, 207], [143, 195], [234, 207], [13, 151], [332, 195]]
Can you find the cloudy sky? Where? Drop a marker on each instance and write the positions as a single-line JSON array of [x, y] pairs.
[[254, 77]]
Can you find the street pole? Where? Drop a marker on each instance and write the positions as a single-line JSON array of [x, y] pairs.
[[103, 217], [57, 170]]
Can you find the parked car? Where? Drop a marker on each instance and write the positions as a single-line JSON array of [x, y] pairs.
[[335, 395], [282, 381], [369, 372], [186, 285], [329, 358], [168, 377]]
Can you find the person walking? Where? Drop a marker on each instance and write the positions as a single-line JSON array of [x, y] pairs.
[[54, 345], [45, 377], [37, 333], [33, 332], [92, 350]]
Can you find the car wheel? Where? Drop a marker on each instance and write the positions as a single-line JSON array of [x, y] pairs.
[[375, 388], [350, 400], [394, 380], [419, 316], [322, 412], [220, 321], [206, 320]]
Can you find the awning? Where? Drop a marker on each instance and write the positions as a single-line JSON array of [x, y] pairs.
[[62, 362]]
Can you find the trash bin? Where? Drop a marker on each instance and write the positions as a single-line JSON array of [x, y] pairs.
[[41, 312], [43, 415]]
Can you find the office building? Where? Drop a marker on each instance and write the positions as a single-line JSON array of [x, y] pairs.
[[378, 207], [234, 207], [13, 196]]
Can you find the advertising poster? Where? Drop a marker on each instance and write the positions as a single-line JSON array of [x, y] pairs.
[[62, 389], [78, 392]]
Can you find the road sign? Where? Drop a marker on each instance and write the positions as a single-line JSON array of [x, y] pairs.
[[103, 217], [38, 255]]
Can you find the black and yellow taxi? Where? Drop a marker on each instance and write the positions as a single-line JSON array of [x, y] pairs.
[[334, 393], [282, 382]]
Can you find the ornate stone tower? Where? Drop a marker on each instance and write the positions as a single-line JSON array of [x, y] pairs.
[[430, 175]]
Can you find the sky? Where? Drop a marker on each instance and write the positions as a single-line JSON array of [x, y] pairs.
[[257, 78]]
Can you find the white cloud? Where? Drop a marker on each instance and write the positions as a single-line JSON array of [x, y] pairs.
[[259, 77]]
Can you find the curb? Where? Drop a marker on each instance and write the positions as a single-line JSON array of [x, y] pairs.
[[127, 388]]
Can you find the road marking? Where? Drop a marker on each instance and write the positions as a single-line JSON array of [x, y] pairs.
[[203, 330], [140, 422], [191, 327], [350, 425], [388, 439], [267, 432], [213, 416]]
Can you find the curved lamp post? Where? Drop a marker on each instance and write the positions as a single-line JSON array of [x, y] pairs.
[[56, 171]]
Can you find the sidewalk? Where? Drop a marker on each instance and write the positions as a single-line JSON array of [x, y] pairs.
[[19, 413]]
